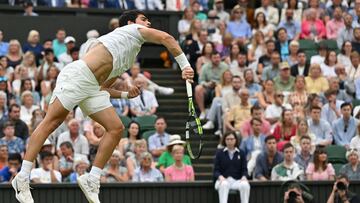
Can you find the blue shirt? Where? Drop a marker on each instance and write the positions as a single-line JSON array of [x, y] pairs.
[[15, 145], [322, 130], [284, 50], [269, 73], [263, 167], [248, 144], [5, 174], [291, 27], [328, 114], [157, 141], [4, 46], [153, 175], [239, 29], [119, 105], [340, 136]]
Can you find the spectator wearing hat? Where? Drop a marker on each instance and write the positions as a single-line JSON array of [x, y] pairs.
[[29, 9], [45, 173], [114, 172], [273, 112], [15, 144], [179, 171], [80, 167], [65, 58], [145, 173], [166, 159], [47, 147], [352, 168], [284, 81]]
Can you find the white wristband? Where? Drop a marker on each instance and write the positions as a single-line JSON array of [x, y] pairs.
[[124, 95], [182, 61]]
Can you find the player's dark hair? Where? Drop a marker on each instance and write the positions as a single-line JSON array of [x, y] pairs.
[[130, 15]]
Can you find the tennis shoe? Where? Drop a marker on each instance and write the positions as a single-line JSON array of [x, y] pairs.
[[89, 187], [208, 125], [165, 90], [22, 189]]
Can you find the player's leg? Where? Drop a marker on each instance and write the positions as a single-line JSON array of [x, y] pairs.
[[100, 110], [54, 117], [200, 101]]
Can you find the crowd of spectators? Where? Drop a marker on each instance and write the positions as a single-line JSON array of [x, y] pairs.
[[279, 106]]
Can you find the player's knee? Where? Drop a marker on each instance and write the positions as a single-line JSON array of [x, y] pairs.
[[117, 130], [199, 88]]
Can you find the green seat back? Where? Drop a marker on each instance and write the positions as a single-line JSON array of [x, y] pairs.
[[147, 134], [146, 122], [336, 154]]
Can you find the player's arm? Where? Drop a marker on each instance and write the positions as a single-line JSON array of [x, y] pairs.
[[163, 38], [114, 93]]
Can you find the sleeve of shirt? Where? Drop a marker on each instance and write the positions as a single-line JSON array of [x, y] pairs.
[[60, 140], [160, 176], [274, 175], [190, 171], [217, 162], [328, 132], [22, 145], [263, 75], [310, 169], [58, 176], [258, 169], [336, 133], [162, 160], [357, 87], [136, 177]]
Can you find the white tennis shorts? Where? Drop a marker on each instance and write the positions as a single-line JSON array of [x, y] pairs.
[[77, 85]]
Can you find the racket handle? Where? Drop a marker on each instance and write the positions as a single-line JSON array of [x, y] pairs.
[[188, 89]]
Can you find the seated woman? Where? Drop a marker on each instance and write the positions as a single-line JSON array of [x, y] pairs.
[[27, 84], [126, 145], [133, 162], [179, 171], [27, 107], [328, 67], [285, 129], [267, 96], [352, 168], [320, 169], [316, 82], [145, 172], [166, 159], [113, 171], [80, 167], [302, 130], [312, 28]]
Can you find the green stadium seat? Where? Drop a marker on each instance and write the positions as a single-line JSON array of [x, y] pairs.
[[147, 134], [337, 168], [306, 44], [336, 154], [331, 44], [146, 122], [125, 120]]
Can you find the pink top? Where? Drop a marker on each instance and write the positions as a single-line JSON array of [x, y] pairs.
[[306, 29], [246, 128], [332, 28], [324, 175], [178, 175]]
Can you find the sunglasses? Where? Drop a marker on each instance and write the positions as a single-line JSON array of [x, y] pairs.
[[280, 95]]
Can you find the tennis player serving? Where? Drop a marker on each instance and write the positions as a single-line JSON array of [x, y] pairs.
[[87, 83]]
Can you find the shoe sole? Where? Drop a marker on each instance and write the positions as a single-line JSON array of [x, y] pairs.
[[14, 186], [84, 191]]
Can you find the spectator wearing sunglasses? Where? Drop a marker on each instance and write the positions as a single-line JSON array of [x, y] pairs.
[[352, 168], [344, 128]]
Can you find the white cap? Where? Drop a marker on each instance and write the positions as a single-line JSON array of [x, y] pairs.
[[175, 139], [47, 142], [69, 39]]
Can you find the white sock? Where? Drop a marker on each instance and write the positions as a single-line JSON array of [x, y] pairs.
[[26, 167], [96, 172]]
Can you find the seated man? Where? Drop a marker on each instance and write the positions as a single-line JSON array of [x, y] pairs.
[[254, 144], [304, 157], [145, 103], [288, 169], [320, 127], [13, 167], [209, 78], [46, 173], [77, 139], [269, 158], [145, 173], [284, 81], [256, 112], [238, 114], [331, 110], [230, 170], [159, 140], [15, 144]]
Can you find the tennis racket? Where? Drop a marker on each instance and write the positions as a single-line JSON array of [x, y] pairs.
[[193, 124]]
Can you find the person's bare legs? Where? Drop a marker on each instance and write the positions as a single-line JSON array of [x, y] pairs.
[[199, 97], [55, 115], [114, 129]]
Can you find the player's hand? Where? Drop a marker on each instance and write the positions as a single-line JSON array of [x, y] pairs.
[[188, 74], [133, 92]]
